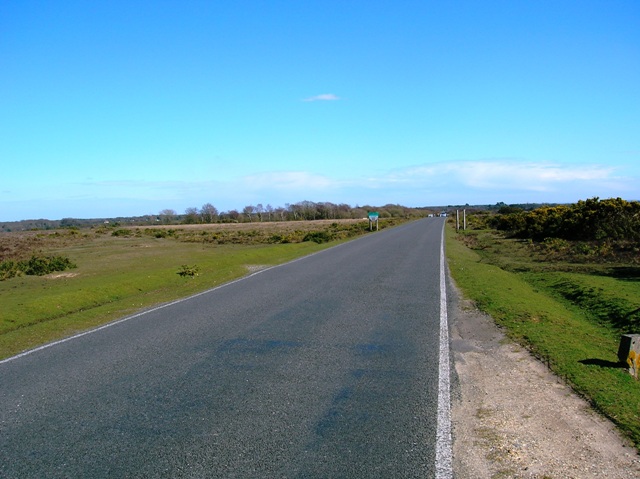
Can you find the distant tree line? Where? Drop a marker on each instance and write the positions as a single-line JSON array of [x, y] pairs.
[[503, 208], [303, 210], [588, 220], [208, 213]]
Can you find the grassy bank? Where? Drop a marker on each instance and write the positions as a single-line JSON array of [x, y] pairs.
[[568, 315], [121, 271], [117, 278]]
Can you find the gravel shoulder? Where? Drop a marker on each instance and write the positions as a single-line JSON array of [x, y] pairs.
[[512, 418]]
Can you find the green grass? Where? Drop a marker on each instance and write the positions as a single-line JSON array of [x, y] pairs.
[[521, 293], [123, 270], [117, 276], [570, 315]]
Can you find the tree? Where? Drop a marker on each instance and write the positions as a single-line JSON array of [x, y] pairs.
[[269, 210], [234, 215], [281, 212], [68, 222], [167, 216], [297, 210], [308, 209], [191, 216], [358, 212], [208, 213], [259, 211], [344, 211], [248, 211]]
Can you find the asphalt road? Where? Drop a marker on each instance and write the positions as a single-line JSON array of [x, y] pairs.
[[326, 367]]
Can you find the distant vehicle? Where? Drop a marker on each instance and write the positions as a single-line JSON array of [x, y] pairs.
[[444, 213]]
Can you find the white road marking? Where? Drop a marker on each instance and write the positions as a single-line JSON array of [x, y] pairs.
[[444, 468], [142, 313]]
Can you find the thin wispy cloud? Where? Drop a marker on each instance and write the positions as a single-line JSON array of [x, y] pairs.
[[323, 97], [528, 180], [510, 180], [506, 173], [295, 181]]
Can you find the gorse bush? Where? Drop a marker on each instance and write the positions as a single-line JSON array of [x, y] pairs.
[[41, 265], [122, 232], [189, 271], [160, 233], [590, 220], [37, 265], [8, 269], [319, 237]]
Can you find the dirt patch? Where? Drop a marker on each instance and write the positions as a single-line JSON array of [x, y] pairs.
[[61, 275], [254, 268], [512, 418]]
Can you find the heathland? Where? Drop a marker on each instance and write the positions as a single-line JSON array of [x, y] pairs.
[[563, 281], [54, 283]]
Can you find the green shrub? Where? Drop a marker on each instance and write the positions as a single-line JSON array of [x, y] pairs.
[[318, 237], [590, 220], [556, 245], [276, 238], [186, 270], [36, 266], [122, 232], [41, 265], [9, 269]]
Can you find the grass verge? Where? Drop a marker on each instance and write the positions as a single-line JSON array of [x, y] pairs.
[[118, 271], [117, 276], [576, 340]]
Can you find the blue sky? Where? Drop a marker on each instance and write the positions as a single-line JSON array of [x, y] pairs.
[[125, 108]]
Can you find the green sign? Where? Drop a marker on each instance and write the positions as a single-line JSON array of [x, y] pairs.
[[373, 215]]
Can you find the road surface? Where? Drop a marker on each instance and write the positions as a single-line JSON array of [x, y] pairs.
[[326, 367]]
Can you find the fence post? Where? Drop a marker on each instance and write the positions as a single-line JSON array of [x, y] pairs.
[[629, 352]]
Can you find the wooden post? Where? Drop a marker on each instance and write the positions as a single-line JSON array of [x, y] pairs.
[[457, 220], [629, 353], [464, 219]]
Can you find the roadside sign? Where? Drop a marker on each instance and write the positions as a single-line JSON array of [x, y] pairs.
[[373, 218]]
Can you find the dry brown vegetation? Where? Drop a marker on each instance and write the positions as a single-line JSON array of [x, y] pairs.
[[120, 269], [20, 245]]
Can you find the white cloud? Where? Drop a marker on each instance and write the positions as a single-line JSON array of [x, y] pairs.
[[528, 175], [509, 180], [288, 181], [479, 182], [455, 182], [323, 97], [504, 174]]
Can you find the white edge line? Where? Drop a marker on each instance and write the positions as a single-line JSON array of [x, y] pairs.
[[444, 454], [162, 306]]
